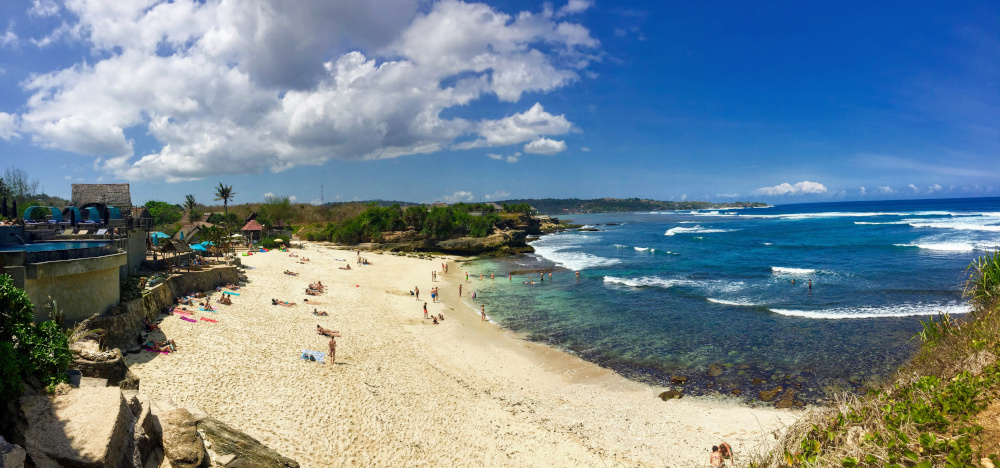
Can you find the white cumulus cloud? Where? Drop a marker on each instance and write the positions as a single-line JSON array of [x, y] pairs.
[[799, 188], [575, 6], [545, 146], [886, 189], [8, 126], [497, 195], [863, 191], [934, 188], [459, 196], [240, 86], [914, 188], [43, 8]]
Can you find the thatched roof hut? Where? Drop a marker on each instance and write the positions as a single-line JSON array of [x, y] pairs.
[[117, 195], [253, 225]]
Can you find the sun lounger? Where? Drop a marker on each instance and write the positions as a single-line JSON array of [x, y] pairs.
[[309, 355], [101, 232], [83, 232], [68, 232]]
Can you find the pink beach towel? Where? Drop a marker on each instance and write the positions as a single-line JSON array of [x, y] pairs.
[[189, 320], [182, 312], [209, 320]]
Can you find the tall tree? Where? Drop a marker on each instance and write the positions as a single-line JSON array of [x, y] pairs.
[[190, 204], [226, 194], [17, 185]]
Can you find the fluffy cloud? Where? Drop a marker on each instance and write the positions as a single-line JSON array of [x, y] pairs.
[[914, 188], [886, 189], [459, 196], [518, 128], [934, 188], [497, 195], [727, 195], [9, 39], [800, 188], [8, 126], [545, 146], [863, 191], [241, 85], [43, 8], [575, 6]]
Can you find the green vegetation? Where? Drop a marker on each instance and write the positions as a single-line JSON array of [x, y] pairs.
[[930, 415], [556, 206], [25, 349], [438, 222], [128, 288], [163, 213]]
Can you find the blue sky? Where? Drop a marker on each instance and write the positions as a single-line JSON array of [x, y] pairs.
[[783, 102]]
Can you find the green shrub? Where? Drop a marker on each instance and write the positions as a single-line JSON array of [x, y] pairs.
[[983, 286], [24, 348], [129, 288], [270, 242]]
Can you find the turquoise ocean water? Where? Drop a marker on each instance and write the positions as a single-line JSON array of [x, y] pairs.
[[709, 295]]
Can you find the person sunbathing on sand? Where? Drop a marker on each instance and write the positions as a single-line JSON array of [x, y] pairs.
[[319, 312], [326, 332], [312, 292], [147, 325], [160, 346], [225, 300], [282, 303], [348, 267], [291, 273], [232, 286]]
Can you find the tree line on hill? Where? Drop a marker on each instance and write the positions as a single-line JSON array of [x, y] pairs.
[[562, 206]]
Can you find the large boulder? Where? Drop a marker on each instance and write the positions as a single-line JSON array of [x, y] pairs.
[[11, 455], [477, 245], [182, 445], [85, 427], [104, 365], [248, 451]]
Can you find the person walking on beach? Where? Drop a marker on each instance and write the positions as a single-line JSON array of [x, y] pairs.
[[333, 349], [434, 275], [482, 310], [416, 291], [425, 307], [466, 277], [480, 277], [460, 290]]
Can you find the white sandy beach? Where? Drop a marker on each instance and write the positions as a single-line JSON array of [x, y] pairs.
[[405, 392]]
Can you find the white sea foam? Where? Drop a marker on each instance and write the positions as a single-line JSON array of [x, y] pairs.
[[943, 246], [901, 310], [792, 271], [732, 303], [621, 246], [694, 230], [557, 249], [650, 281], [641, 249], [767, 243]]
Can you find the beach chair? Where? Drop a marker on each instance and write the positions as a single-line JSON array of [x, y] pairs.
[[67, 232], [83, 232], [101, 232]]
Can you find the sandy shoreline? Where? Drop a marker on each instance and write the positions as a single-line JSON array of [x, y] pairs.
[[406, 392]]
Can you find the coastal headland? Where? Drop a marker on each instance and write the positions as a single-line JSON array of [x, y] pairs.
[[404, 391]]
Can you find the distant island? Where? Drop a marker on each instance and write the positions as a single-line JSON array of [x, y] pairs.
[[563, 206]]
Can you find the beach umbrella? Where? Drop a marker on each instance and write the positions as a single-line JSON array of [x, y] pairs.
[[198, 247], [158, 235], [279, 241]]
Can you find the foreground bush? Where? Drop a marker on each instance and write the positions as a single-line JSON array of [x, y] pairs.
[[24, 348]]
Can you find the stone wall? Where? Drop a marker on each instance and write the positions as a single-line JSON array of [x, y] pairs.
[[124, 322], [81, 287], [136, 251]]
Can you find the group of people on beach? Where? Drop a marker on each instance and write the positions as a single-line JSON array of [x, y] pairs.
[[720, 453]]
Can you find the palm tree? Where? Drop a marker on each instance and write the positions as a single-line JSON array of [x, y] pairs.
[[225, 193], [190, 205]]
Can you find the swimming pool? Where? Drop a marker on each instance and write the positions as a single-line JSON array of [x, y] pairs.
[[52, 246]]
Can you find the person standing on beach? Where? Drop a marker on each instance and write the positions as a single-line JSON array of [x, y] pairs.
[[466, 277], [460, 290], [482, 310], [416, 291], [425, 308], [510, 277], [433, 276], [480, 277], [333, 349]]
